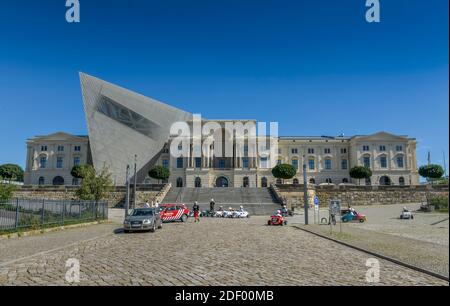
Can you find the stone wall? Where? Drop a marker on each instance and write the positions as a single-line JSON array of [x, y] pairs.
[[362, 195], [115, 198]]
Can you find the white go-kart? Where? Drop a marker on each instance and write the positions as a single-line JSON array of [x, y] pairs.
[[241, 214]]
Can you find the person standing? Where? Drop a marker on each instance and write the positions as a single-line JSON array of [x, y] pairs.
[[196, 210], [211, 206]]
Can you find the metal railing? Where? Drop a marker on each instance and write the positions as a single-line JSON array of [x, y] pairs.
[[29, 213]]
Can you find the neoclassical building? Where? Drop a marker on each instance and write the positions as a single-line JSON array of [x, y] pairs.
[[127, 128], [50, 158], [328, 160]]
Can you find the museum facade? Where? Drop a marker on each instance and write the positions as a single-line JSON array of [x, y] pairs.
[[127, 128]]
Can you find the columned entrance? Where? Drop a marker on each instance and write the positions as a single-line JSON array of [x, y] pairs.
[[222, 182]]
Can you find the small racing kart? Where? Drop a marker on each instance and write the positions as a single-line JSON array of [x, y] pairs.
[[277, 220], [218, 214], [241, 214], [348, 216], [406, 214], [228, 213]]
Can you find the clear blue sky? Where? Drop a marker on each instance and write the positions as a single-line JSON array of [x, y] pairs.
[[315, 66]]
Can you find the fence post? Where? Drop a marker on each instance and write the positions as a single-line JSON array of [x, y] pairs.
[[16, 225], [63, 211], [43, 212]]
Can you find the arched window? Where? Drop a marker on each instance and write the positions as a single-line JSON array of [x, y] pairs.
[[245, 182], [401, 181], [295, 163], [327, 163], [344, 180], [366, 161], [329, 181], [295, 181], [198, 182], [383, 161], [58, 181], [312, 181], [41, 180], [179, 182], [264, 182], [43, 162]]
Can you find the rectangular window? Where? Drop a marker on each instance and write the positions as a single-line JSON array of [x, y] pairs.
[[60, 148], [59, 162], [76, 161], [221, 163], [383, 162], [295, 163], [327, 151], [263, 162], [165, 163], [366, 148], [382, 148], [400, 161], [279, 151], [399, 148], [180, 162], [77, 148], [311, 164], [245, 162], [279, 162], [344, 165], [44, 148], [328, 164], [43, 162], [294, 151], [343, 151], [310, 151], [198, 162], [366, 161]]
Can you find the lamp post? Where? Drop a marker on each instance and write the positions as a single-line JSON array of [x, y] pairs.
[[135, 181], [305, 191], [127, 196]]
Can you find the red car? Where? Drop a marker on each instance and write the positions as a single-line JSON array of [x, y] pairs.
[[173, 212], [277, 220]]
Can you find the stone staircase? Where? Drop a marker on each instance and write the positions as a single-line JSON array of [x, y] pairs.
[[258, 201]]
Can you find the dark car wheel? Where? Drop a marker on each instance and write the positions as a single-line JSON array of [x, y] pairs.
[[153, 229], [126, 231], [184, 218]]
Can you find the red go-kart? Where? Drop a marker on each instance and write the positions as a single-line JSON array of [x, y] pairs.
[[277, 220]]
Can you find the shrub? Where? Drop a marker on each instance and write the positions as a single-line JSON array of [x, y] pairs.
[[11, 172], [159, 173], [440, 203], [6, 191], [284, 171], [360, 172], [431, 172]]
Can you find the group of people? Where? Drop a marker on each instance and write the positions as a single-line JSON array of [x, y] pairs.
[[196, 209], [154, 204]]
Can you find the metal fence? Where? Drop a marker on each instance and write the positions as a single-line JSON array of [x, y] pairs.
[[24, 213]]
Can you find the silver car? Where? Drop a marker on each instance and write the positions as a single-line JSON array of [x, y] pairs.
[[142, 219]]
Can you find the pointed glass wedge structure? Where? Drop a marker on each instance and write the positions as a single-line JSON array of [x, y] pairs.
[[122, 124]]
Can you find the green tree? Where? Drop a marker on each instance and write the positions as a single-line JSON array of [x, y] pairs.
[[6, 191], [11, 172], [159, 173], [95, 185], [81, 171], [431, 172], [284, 171], [360, 172]]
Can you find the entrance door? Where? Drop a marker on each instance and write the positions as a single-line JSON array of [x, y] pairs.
[[222, 182]]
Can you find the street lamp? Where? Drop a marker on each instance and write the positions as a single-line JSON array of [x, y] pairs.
[[135, 181], [305, 191]]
